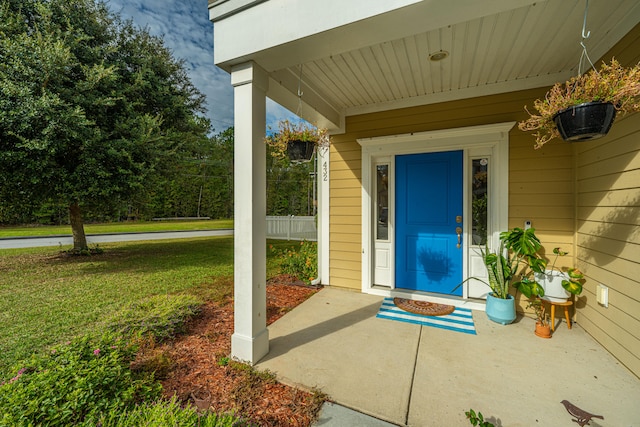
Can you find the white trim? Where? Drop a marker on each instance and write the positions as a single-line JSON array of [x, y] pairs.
[[424, 296], [468, 139], [475, 288], [323, 215], [450, 139], [466, 208], [222, 9], [366, 230], [388, 243]]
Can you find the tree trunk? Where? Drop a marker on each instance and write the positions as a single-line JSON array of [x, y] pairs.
[[77, 228]]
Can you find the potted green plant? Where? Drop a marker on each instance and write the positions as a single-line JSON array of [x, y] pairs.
[[559, 285], [585, 106], [513, 264], [297, 140], [543, 328]]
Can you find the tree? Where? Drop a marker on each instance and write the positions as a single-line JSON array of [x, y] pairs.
[[90, 106], [197, 181], [217, 176]]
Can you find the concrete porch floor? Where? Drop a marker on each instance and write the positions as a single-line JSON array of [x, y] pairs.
[[415, 375]]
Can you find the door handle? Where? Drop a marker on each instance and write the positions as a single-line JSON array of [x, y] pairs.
[[459, 233]]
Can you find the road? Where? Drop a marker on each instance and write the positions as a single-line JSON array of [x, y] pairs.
[[67, 240]]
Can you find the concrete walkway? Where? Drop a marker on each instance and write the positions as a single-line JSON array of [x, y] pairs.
[[414, 375], [67, 239]]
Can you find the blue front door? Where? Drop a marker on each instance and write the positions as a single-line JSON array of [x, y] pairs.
[[429, 222]]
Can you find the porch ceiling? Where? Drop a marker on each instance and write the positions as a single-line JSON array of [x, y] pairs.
[[382, 62]]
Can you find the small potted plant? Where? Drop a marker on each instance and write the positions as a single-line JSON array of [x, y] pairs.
[[297, 140], [559, 285], [543, 328], [584, 107], [513, 264]]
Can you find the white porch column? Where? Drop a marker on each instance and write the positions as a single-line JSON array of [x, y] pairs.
[[250, 340], [323, 214]]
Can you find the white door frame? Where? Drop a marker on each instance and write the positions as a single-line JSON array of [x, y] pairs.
[[473, 140]]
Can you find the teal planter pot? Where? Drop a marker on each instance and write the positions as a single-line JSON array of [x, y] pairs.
[[500, 310]]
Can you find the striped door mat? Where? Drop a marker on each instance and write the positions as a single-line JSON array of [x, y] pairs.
[[460, 320]]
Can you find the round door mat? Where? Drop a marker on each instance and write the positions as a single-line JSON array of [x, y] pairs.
[[423, 307]]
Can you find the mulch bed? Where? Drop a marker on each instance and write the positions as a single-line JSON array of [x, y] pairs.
[[200, 373]]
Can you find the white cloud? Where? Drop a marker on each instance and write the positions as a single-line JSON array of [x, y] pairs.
[[187, 31]]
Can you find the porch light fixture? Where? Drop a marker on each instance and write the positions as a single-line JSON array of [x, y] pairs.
[[438, 56]]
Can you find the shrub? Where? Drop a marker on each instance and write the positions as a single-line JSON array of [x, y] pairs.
[[75, 384], [97, 250], [301, 262], [152, 360], [167, 413], [160, 317]]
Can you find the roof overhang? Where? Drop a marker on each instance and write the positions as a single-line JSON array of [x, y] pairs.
[[374, 55]]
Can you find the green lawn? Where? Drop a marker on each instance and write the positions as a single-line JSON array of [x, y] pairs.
[[117, 227], [46, 297]]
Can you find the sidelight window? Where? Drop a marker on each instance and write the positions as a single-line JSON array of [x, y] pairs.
[[382, 202], [479, 198]]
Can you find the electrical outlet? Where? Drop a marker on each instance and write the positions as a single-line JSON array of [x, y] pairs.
[[527, 225], [602, 295]]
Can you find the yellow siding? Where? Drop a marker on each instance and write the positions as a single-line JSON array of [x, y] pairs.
[[346, 246], [608, 237], [536, 179], [608, 227]]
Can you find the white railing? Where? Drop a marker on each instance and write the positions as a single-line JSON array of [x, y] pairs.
[[292, 228]]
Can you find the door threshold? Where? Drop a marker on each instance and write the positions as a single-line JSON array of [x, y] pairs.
[[456, 301]]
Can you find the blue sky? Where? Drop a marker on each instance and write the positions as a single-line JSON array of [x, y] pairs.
[[185, 27]]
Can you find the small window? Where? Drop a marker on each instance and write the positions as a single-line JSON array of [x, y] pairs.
[[382, 202], [479, 196]]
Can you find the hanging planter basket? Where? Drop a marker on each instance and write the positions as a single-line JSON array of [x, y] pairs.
[[562, 113], [586, 121], [300, 151], [298, 141]]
